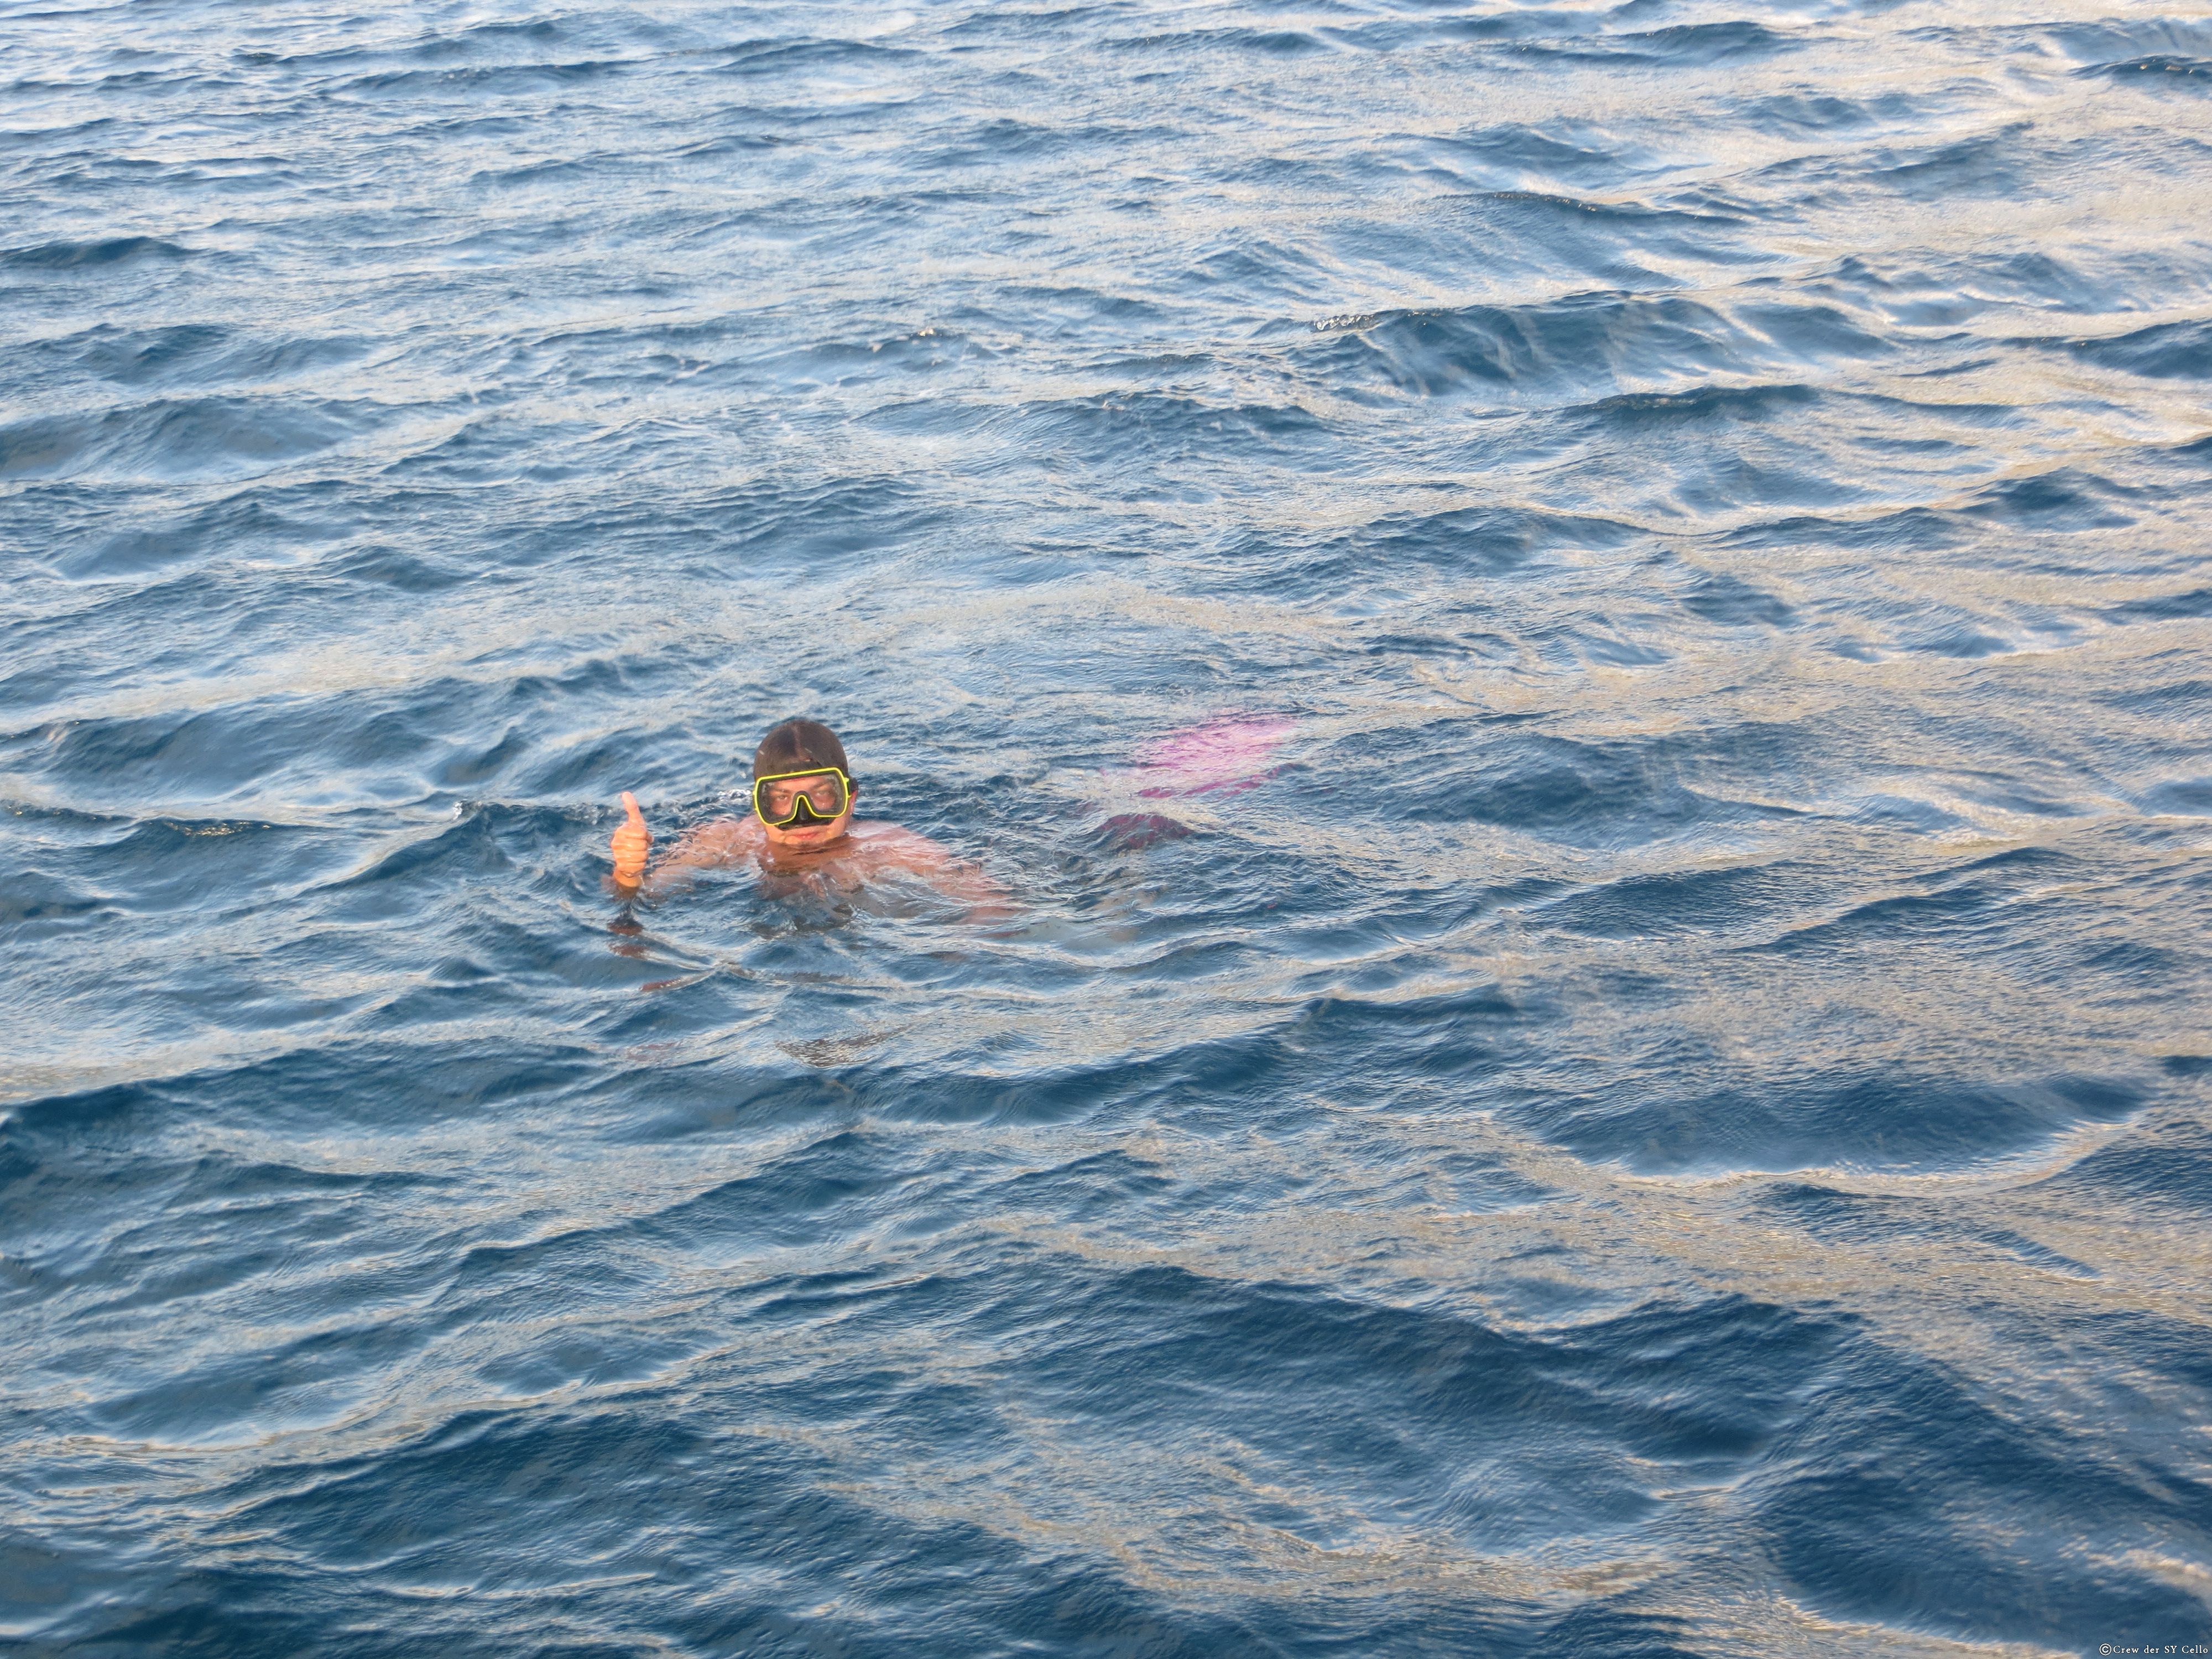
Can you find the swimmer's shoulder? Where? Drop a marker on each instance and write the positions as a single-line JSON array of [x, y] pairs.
[[719, 841], [882, 837]]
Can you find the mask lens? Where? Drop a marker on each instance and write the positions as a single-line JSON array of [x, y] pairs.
[[777, 799]]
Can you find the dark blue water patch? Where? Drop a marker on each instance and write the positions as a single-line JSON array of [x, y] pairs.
[[1582, 794], [1703, 902], [1518, 148], [1658, 414], [1812, 333], [1467, 1404], [200, 353], [1681, 45], [36, 905], [168, 865], [1610, 243], [2172, 607], [1265, 43], [1263, 1080], [401, 571], [231, 1222], [191, 441], [707, 1100], [899, 356], [836, 1187], [1929, 292], [768, 58], [1402, 32], [2192, 74], [644, 1493], [1955, 900], [1256, 269], [135, 555], [1582, 341], [2177, 698], [2033, 1254], [479, 733], [2125, 965], [1729, 601], [628, 1480], [222, 1394], [1465, 1394], [2182, 797], [307, 1092], [1101, 1187], [1626, 1633], [1481, 1186], [474, 82], [1994, 164], [1912, 1118], [1009, 142], [92, 255], [1800, 111], [2104, 44], [1961, 641], [1142, 430], [1856, 1219], [1134, 832], [494, 449], [2167, 1353], [1862, 1494], [1916, 529], [2166, 1168], [211, 755], [2164, 351], [1466, 542]]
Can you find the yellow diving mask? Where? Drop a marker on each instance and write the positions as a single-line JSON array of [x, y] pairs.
[[786, 800]]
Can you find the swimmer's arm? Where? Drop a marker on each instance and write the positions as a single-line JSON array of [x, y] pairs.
[[708, 846], [712, 845]]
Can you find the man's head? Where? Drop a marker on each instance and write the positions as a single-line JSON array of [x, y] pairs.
[[802, 788]]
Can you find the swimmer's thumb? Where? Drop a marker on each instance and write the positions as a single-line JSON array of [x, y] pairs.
[[630, 843]]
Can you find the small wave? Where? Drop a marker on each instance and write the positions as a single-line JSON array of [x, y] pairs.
[[83, 256], [191, 439], [1585, 341], [2194, 72], [2164, 351], [2118, 46], [1907, 1121], [482, 80], [1266, 43], [1683, 45]]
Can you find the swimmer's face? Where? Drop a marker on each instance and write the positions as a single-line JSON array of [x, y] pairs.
[[797, 838], [780, 797]]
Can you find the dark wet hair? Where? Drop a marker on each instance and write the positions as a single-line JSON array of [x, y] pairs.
[[797, 744]]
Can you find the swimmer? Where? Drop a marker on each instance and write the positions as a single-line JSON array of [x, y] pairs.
[[802, 828]]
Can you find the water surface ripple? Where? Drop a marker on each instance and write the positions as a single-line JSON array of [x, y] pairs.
[[1670, 1119]]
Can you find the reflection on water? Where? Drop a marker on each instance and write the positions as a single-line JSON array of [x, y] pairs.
[[1579, 633]]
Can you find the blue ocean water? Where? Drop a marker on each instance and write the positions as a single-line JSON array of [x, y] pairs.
[[1671, 1120]]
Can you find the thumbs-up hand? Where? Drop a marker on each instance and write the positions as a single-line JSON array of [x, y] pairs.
[[629, 844]]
